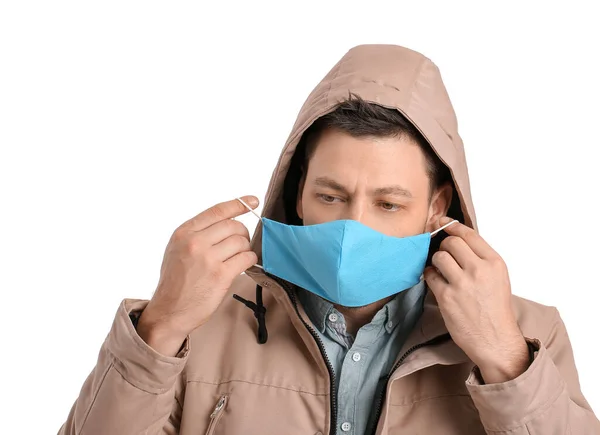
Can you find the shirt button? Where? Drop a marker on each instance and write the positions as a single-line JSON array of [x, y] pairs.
[[356, 356], [333, 317], [346, 426], [390, 324]]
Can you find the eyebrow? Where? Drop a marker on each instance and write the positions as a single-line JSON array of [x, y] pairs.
[[388, 190]]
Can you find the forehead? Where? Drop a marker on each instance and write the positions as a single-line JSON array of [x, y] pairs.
[[373, 160]]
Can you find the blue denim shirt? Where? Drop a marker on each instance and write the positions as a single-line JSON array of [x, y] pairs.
[[362, 363]]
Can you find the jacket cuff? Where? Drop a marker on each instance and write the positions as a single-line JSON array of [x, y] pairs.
[[138, 363], [508, 405]]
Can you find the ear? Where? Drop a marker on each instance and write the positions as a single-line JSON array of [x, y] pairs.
[[439, 205], [299, 210]]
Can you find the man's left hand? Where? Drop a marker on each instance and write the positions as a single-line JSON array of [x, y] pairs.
[[471, 284]]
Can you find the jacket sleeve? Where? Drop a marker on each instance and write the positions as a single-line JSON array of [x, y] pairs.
[[133, 389], [546, 399]]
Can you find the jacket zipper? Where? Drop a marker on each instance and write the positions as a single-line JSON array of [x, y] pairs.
[[435, 340], [333, 387], [215, 416]]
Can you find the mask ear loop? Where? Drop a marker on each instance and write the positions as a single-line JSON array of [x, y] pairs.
[[255, 214], [249, 208], [434, 233]]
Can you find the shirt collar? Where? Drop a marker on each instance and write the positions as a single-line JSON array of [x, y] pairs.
[[316, 308]]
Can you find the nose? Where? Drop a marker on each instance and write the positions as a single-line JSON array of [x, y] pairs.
[[356, 211]]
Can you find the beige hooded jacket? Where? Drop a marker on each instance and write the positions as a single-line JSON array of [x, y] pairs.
[[224, 382]]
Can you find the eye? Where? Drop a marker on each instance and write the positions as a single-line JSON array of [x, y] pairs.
[[388, 206], [327, 198]]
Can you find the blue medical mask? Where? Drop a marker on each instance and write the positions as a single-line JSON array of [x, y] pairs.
[[344, 261]]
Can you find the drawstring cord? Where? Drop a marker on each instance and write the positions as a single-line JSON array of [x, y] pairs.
[[259, 312], [258, 308]]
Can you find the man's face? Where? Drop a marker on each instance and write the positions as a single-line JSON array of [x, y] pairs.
[[380, 182]]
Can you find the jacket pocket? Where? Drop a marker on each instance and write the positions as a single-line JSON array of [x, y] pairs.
[[217, 413]]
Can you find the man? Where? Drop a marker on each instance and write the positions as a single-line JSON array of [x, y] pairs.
[[367, 319]]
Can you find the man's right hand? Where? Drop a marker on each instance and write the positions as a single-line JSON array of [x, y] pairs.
[[203, 257]]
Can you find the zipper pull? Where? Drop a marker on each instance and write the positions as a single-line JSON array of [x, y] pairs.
[[219, 407]]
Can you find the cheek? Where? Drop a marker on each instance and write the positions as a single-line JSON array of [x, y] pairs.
[[410, 222]]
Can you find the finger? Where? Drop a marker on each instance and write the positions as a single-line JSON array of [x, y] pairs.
[[447, 267], [460, 251], [477, 244], [230, 247], [221, 230], [435, 281], [221, 211], [242, 261]]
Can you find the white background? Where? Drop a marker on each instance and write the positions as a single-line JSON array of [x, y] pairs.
[[119, 120]]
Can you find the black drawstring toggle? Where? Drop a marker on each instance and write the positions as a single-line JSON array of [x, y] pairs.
[[259, 312]]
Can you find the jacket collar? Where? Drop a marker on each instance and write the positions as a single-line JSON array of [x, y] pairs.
[[429, 326]]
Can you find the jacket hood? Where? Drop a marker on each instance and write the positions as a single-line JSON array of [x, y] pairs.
[[394, 77]]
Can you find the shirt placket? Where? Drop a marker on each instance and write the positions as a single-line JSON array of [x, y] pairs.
[[357, 352]]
